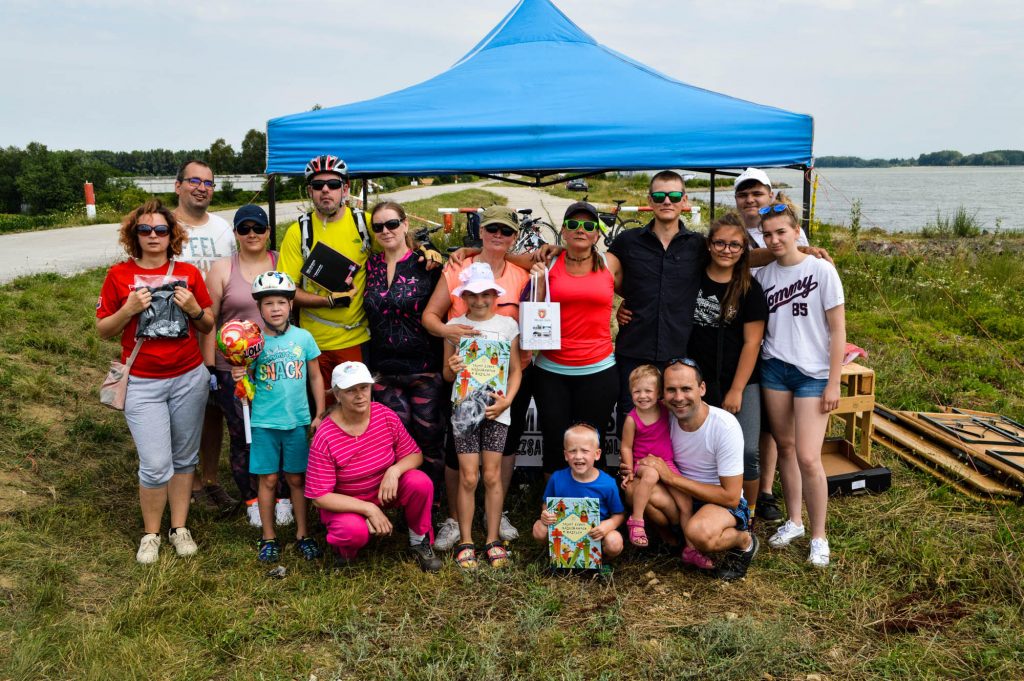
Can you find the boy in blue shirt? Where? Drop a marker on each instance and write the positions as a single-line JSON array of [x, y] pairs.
[[582, 450], [280, 411]]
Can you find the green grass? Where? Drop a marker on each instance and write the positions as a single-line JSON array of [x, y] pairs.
[[924, 583]]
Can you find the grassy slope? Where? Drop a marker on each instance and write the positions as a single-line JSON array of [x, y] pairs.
[[924, 583]]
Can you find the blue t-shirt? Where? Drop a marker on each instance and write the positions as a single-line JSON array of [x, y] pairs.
[[280, 377], [562, 484]]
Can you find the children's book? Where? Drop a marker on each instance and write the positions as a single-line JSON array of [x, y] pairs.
[[487, 363], [569, 545]]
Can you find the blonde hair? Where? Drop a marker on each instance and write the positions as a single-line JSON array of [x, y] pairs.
[[582, 428], [645, 371]]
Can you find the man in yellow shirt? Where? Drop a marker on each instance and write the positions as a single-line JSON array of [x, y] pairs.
[[335, 319]]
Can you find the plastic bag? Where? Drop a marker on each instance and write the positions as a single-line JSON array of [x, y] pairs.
[[468, 414], [162, 319]]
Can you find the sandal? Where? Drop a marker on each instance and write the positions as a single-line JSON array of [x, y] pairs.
[[497, 555], [637, 533], [465, 556], [695, 558]]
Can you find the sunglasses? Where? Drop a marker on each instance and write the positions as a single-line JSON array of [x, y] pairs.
[[146, 230], [685, 361], [730, 246], [674, 197], [390, 225], [330, 184], [195, 182], [585, 225], [243, 230], [774, 208], [494, 229]]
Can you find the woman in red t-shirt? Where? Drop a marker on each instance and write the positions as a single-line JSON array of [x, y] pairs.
[[168, 383], [579, 381]]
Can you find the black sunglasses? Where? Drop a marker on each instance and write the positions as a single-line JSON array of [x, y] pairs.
[[685, 361], [494, 229], [146, 230], [674, 197], [243, 230], [330, 184], [774, 208], [390, 225], [585, 225]]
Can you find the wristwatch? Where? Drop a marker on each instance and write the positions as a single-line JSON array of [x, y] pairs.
[[198, 316]]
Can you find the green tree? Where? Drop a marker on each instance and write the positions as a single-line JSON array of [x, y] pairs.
[[254, 152], [948, 157], [221, 157], [43, 184], [10, 168]]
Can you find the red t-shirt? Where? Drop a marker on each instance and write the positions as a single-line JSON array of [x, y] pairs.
[[586, 306], [158, 357], [355, 466]]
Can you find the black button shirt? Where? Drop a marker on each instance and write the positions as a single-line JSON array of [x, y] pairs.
[[659, 286]]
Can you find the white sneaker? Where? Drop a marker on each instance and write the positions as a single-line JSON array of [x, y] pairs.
[[786, 533], [506, 531], [819, 553], [283, 512], [149, 549], [182, 542], [447, 536], [253, 511]]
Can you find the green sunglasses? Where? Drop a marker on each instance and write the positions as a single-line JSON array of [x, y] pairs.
[[659, 197], [585, 225]]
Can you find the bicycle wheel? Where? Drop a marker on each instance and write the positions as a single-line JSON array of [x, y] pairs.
[[549, 234]]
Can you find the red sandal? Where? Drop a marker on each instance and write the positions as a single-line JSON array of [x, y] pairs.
[[465, 556], [637, 533], [497, 555]]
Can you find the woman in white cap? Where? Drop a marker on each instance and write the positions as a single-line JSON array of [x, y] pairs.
[[361, 461], [499, 227]]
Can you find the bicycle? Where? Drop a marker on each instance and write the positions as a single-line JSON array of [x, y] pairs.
[[530, 237], [614, 225]]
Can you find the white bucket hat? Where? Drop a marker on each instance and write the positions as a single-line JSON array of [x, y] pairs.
[[478, 278]]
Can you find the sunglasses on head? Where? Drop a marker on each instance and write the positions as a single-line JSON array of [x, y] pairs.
[[330, 184], [242, 230], [494, 229], [774, 208], [685, 361], [674, 197], [146, 230], [390, 225], [585, 225]]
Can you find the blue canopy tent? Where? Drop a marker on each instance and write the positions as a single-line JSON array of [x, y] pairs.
[[538, 97]]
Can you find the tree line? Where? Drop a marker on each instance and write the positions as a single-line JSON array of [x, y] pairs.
[[948, 157], [45, 180]]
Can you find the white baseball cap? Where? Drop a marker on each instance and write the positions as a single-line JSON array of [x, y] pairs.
[[477, 278], [348, 374], [755, 174]]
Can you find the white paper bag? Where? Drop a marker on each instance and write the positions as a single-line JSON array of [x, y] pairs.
[[540, 323]]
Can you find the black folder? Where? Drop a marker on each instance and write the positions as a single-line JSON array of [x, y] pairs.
[[329, 269]]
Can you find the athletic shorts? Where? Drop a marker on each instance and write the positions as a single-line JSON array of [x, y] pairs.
[[274, 450]]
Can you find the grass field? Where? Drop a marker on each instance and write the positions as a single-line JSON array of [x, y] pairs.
[[924, 583]]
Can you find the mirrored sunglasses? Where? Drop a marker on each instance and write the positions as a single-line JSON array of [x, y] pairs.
[[674, 197], [146, 230], [774, 208]]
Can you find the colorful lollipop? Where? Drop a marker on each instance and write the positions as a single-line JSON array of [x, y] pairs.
[[241, 342]]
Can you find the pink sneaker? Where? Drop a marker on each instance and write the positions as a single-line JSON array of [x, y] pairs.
[[695, 558]]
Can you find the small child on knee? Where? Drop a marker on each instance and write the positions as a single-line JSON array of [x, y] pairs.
[[582, 479]]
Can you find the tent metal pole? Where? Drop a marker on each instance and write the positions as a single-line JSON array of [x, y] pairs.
[[366, 182], [272, 208], [805, 220], [712, 195]]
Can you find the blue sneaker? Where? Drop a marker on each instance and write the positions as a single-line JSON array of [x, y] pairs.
[[269, 551], [308, 547]]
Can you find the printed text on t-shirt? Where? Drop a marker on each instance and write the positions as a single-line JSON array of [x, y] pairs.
[[800, 289]]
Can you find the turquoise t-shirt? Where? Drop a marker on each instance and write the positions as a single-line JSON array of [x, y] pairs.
[[280, 377]]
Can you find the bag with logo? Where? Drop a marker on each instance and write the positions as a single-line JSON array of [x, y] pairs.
[[540, 322]]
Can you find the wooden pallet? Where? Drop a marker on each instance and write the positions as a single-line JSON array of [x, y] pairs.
[[921, 451]]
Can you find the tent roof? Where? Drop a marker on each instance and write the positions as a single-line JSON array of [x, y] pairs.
[[538, 95]]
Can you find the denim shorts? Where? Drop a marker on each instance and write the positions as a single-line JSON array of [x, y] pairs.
[[741, 513], [785, 377]]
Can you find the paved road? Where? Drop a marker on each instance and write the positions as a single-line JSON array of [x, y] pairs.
[[75, 249]]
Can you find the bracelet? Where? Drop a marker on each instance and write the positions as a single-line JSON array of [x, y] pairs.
[[330, 302], [198, 316]]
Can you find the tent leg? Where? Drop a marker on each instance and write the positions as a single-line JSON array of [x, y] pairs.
[[805, 220], [272, 209], [712, 196]]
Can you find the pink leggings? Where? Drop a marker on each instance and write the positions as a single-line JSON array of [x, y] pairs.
[[348, 532]]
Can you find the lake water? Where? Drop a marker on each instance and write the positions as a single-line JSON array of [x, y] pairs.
[[906, 199]]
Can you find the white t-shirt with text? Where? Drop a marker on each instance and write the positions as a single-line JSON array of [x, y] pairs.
[[209, 242], [798, 297], [713, 451]]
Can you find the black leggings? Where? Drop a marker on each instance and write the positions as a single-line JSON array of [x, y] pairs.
[[565, 400]]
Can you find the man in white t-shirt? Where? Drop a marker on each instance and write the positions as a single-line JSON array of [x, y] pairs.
[[708, 447], [210, 238]]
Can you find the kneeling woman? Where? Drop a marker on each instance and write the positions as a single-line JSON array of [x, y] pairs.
[[361, 461]]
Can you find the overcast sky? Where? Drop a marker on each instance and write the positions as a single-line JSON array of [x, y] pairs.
[[881, 78]]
